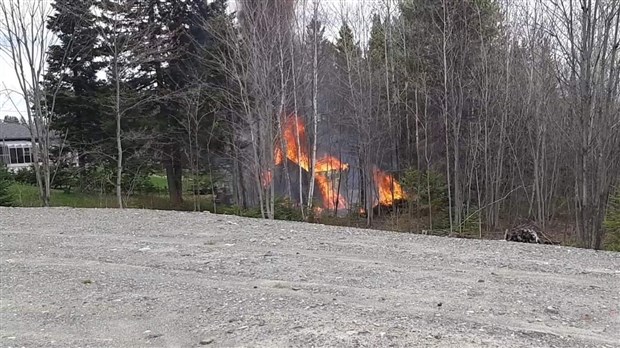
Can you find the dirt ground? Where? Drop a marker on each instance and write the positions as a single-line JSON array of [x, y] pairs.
[[134, 278]]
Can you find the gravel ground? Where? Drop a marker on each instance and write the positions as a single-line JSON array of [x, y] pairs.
[[133, 278]]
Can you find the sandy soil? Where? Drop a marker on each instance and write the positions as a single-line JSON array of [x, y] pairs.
[[110, 278]]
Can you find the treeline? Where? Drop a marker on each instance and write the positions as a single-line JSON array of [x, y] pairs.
[[487, 112]]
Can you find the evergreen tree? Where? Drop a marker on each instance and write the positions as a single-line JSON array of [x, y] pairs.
[[346, 44], [376, 43], [72, 72], [177, 67], [5, 181]]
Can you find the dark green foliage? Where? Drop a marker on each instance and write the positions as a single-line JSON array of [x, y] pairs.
[[376, 43], [6, 179], [65, 178], [73, 67], [26, 176], [346, 44], [612, 223], [427, 185], [284, 210]]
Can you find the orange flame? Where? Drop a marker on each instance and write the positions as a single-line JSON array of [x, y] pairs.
[[329, 163], [293, 127], [331, 198], [388, 188], [265, 178], [294, 133]]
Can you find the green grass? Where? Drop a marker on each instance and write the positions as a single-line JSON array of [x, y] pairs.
[[28, 196], [160, 182]]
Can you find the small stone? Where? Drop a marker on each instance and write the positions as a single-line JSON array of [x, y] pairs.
[[145, 249], [552, 310], [480, 280], [206, 341]]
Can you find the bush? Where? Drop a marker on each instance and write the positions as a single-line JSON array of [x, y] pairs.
[[421, 183], [26, 176], [65, 178], [612, 223], [284, 210], [6, 180], [203, 184]]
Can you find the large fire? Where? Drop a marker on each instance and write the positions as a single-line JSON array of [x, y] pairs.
[[296, 145], [329, 163], [331, 198], [293, 126], [389, 189]]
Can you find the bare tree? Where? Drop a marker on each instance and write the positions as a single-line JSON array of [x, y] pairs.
[[25, 38], [127, 47], [587, 34]]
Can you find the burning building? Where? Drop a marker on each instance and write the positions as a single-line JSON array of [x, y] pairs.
[[331, 174]]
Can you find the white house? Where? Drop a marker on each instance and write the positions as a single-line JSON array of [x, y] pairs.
[[15, 145]]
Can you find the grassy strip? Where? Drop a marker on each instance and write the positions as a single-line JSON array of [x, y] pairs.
[[28, 196]]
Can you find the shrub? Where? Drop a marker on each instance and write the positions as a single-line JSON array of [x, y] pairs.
[[6, 180], [421, 183], [427, 185], [65, 178], [285, 209], [612, 223], [26, 176]]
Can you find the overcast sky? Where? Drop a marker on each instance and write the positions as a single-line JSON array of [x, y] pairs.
[[331, 13], [12, 102]]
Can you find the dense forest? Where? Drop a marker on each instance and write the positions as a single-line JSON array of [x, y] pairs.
[[466, 116]]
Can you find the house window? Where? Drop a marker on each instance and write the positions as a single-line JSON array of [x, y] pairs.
[[13, 152], [20, 155], [27, 155], [4, 155]]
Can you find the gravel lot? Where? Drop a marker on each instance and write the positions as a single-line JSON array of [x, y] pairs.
[[133, 278]]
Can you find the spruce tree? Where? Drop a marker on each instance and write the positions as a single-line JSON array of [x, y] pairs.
[[6, 200], [186, 44], [376, 43], [73, 67]]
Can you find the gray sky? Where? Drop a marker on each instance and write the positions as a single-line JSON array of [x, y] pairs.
[[331, 12], [358, 13]]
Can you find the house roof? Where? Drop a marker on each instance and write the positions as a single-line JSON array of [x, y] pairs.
[[14, 131]]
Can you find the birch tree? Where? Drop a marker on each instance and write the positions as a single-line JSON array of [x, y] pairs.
[[24, 38]]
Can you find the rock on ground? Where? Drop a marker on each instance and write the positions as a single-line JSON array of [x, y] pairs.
[[139, 278]]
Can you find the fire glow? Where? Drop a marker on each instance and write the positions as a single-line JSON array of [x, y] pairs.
[[293, 126], [389, 189], [296, 147]]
